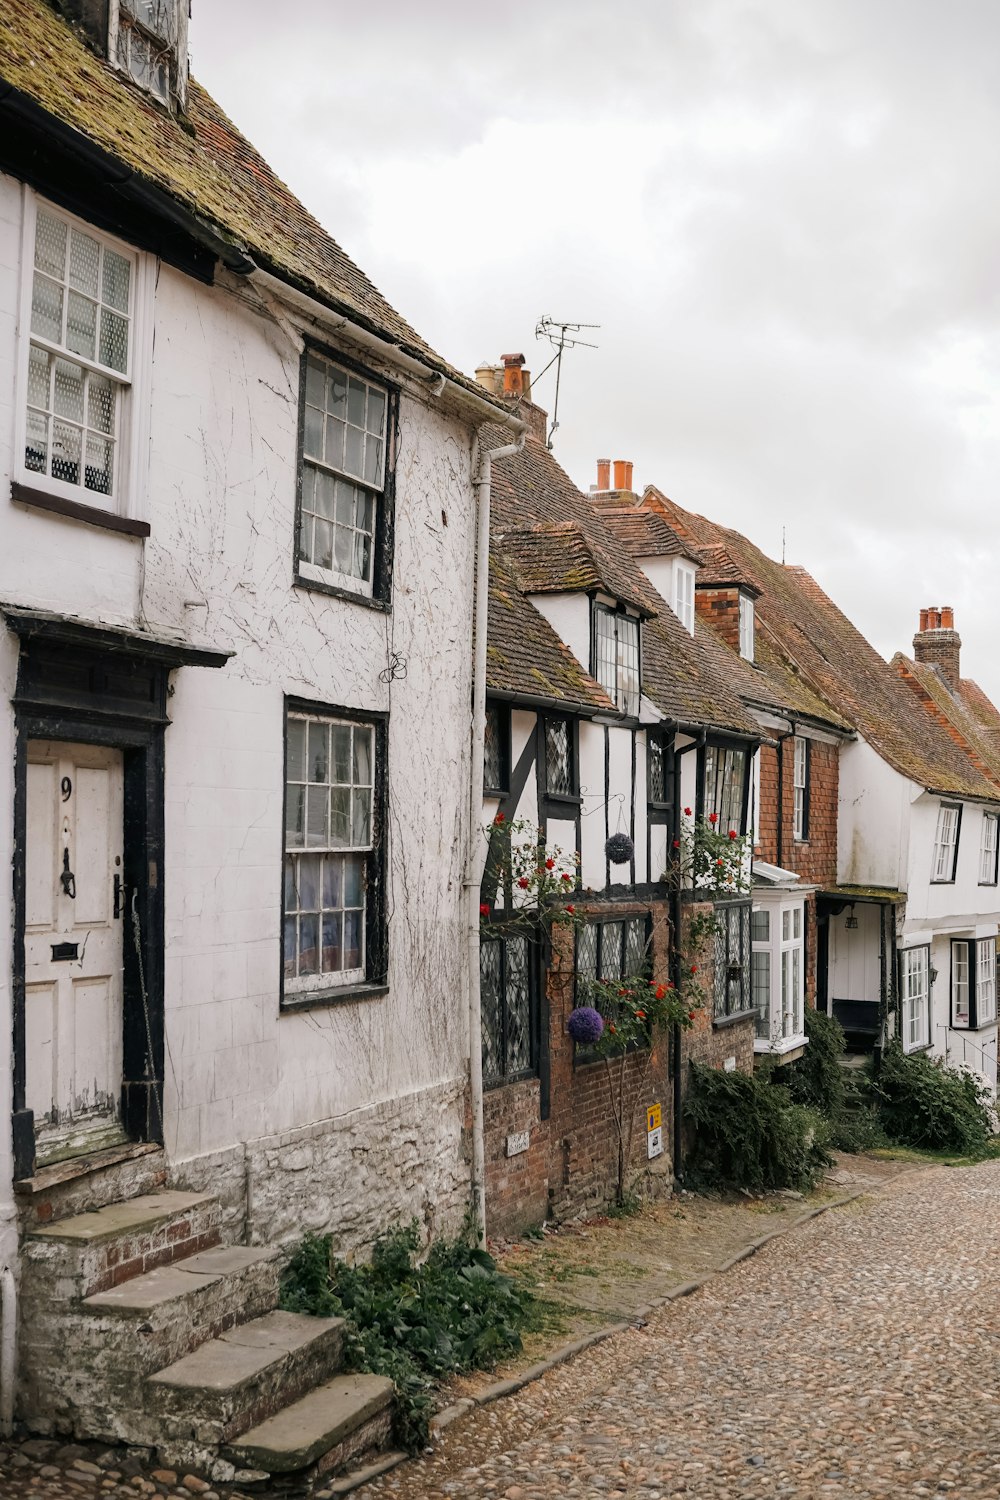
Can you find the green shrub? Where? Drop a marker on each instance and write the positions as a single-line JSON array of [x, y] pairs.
[[413, 1323], [750, 1134], [816, 1079], [929, 1106]]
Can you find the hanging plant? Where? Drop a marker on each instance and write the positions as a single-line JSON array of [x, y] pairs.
[[585, 1025], [619, 849]]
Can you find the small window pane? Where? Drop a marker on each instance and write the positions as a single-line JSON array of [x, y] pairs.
[[319, 752], [84, 263], [761, 927], [362, 757], [558, 758], [81, 326], [47, 310], [295, 751], [50, 245], [117, 276], [114, 341], [66, 453], [67, 397], [341, 765]]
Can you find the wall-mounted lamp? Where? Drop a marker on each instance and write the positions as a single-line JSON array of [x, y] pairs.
[[852, 920]]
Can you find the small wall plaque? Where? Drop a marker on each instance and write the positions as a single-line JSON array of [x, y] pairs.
[[518, 1143], [654, 1142]]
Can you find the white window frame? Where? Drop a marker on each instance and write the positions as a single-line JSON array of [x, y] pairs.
[[298, 986], [988, 849], [944, 862], [174, 43], [973, 983], [800, 788], [684, 579], [746, 627], [782, 955], [129, 493], [626, 689], [915, 997]]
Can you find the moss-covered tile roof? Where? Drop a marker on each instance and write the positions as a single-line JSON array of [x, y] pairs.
[[819, 649], [201, 161], [688, 679], [524, 656], [970, 728]]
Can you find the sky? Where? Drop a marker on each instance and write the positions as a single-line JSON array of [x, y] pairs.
[[783, 214]]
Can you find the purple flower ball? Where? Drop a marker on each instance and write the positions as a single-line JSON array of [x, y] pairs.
[[585, 1025]]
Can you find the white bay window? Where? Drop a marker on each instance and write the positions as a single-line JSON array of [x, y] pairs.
[[778, 930]]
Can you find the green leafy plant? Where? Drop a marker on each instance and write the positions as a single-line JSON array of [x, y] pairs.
[[923, 1103], [413, 1321], [750, 1134], [816, 1079], [712, 861], [534, 878]]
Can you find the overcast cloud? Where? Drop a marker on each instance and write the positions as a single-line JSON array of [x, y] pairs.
[[783, 214]]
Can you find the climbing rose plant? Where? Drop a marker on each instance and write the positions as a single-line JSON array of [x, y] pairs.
[[708, 858], [534, 878]]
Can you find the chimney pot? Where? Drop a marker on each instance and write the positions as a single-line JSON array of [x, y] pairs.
[[947, 618], [628, 476], [620, 467], [604, 473], [513, 374], [923, 613]]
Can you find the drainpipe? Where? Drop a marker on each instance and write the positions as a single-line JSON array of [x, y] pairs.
[[8, 1346], [482, 460], [675, 959]]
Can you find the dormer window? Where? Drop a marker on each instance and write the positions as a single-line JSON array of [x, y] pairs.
[[684, 595], [149, 42], [616, 656], [746, 627]]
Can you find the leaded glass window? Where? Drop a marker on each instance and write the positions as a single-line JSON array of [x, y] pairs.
[[616, 949], [725, 774], [732, 979], [509, 1012], [616, 650], [657, 769], [495, 749], [329, 824], [343, 471], [560, 776], [79, 357]]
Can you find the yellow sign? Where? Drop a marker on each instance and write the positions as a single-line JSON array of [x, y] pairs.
[[654, 1117]]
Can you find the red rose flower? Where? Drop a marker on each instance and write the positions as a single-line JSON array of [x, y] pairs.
[[713, 817], [484, 909], [550, 864], [687, 812], [566, 877], [733, 834], [694, 968], [612, 1029], [677, 843], [691, 1015], [524, 882], [640, 1015], [661, 990], [720, 861], [571, 909], [499, 818]]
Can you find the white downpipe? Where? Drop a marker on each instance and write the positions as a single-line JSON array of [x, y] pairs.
[[472, 879], [8, 1349]]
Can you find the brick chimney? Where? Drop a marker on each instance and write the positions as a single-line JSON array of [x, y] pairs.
[[937, 643], [511, 381]]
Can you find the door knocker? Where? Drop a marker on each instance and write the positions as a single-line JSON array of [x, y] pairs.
[[67, 877]]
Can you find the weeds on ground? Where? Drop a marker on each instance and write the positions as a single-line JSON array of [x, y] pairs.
[[414, 1323]]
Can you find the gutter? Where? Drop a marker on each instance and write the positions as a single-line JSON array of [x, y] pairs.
[[482, 461]]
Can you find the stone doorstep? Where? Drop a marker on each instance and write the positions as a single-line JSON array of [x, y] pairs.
[[132, 1216], [247, 1373], [160, 1290], [304, 1431]]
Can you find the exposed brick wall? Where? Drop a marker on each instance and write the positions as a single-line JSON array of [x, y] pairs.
[[707, 1042], [571, 1163], [720, 607], [815, 859]]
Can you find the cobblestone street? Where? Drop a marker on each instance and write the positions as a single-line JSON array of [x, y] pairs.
[[857, 1356]]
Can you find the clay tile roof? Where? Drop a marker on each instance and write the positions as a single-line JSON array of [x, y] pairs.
[[201, 161], [642, 532], [968, 716], [524, 656], [544, 528], [799, 626], [720, 570]]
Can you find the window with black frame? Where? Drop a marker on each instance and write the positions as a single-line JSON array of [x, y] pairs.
[[608, 950], [657, 773], [509, 1008], [560, 758], [732, 991], [724, 786], [496, 749]]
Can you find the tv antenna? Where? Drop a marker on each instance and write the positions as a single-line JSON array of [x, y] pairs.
[[561, 336]]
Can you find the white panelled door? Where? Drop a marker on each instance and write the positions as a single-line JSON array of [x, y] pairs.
[[73, 947]]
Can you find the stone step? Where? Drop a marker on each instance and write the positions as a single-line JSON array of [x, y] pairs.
[[334, 1424], [77, 1257], [84, 1183], [239, 1379], [142, 1325]]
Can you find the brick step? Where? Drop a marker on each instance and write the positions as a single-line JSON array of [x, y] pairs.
[[131, 1330], [91, 1252], [238, 1380], [335, 1424]]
